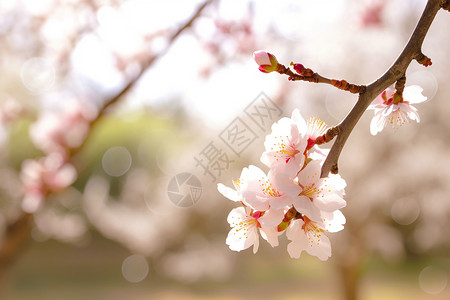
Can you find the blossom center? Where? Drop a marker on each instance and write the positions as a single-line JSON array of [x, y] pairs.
[[244, 225], [310, 190], [313, 232], [267, 189]]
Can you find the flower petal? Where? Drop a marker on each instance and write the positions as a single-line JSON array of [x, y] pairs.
[[413, 94], [272, 217], [229, 193]]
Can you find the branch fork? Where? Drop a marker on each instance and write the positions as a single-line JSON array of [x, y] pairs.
[[395, 74]]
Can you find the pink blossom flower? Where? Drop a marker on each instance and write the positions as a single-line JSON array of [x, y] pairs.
[[395, 110], [319, 194], [315, 129], [257, 190], [312, 237], [373, 14], [10, 110], [286, 145], [267, 62], [244, 230], [60, 131], [48, 174]]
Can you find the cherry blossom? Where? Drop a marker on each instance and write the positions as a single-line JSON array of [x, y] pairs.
[[60, 131], [286, 145], [319, 194], [315, 129], [48, 174], [10, 110], [244, 230], [256, 190], [312, 237], [392, 109]]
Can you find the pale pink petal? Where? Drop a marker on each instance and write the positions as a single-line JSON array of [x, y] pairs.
[[299, 121], [329, 202], [295, 231], [270, 234], [236, 214], [320, 247], [229, 193], [413, 94], [243, 233], [284, 183], [317, 153], [334, 221], [295, 248], [280, 202], [310, 174], [376, 124], [272, 217], [261, 57], [305, 206], [414, 116]]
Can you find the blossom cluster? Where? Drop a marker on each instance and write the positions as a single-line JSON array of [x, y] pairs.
[[292, 197], [55, 133]]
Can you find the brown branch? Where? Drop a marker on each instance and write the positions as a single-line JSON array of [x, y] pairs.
[[411, 51], [15, 237]]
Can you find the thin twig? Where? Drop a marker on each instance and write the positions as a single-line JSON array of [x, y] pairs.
[[316, 78]]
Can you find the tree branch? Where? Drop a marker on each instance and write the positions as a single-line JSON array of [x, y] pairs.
[[412, 50]]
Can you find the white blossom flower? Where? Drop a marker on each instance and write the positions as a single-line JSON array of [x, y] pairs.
[[286, 145], [244, 230], [310, 236], [319, 194], [315, 129], [395, 112], [256, 190]]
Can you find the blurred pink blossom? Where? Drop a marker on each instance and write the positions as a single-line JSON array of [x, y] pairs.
[[60, 131], [10, 110], [373, 14], [47, 174]]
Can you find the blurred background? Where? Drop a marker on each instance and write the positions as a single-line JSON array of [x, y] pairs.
[[117, 122]]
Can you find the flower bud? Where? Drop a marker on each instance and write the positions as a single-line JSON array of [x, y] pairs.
[[299, 68], [267, 62]]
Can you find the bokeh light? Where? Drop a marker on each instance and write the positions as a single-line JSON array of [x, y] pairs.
[[116, 161], [135, 268], [38, 75], [433, 280], [405, 211]]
